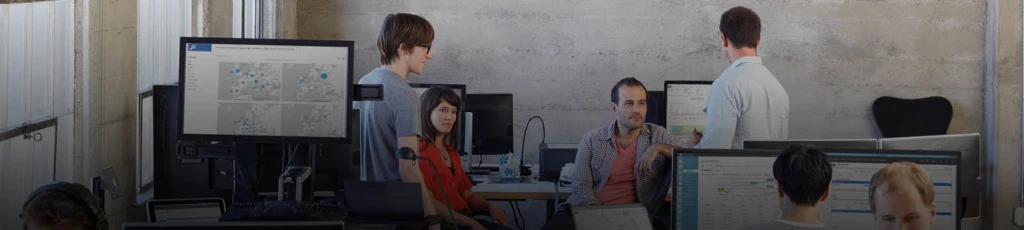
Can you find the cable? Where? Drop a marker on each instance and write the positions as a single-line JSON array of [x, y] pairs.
[[259, 176], [292, 156], [514, 216], [544, 137], [519, 212]]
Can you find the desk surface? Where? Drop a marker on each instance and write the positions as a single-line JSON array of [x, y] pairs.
[[539, 190]]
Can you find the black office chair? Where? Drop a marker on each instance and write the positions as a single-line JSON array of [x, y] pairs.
[[897, 117], [659, 200]]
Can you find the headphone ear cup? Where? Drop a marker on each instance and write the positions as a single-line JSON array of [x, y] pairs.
[[78, 193]]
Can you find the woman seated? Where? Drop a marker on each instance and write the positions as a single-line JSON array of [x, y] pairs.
[[439, 116]]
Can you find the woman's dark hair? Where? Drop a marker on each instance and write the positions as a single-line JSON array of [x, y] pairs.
[[430, 100]]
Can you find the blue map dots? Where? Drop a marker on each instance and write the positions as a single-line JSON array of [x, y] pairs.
[[323, 75]]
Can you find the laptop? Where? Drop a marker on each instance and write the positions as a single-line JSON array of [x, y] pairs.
[[377, 200], [616, 216], [185, 210]]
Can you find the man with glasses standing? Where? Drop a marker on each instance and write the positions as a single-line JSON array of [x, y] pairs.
[[404, 44]]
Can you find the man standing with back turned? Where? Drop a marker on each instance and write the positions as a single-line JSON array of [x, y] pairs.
[[404, 45], [746, 102]]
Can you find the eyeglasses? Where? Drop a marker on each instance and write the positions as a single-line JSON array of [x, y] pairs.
[[425, 46]]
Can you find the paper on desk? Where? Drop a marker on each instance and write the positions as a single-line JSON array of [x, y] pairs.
[[568, 174]]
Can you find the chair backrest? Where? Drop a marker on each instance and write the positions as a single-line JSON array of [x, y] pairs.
[[897, 117], [659, 198]]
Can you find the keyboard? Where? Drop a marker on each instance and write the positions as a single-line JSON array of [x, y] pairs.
[[284, 211]]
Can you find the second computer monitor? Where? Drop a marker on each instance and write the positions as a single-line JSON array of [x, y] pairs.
[[685, 106], [820, 143], [970, 147], [731, 189], [492, 123]]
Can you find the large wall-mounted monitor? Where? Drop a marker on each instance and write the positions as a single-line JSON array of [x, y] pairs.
[[732, 189], [685, 106], [265, 90], [461, 91]]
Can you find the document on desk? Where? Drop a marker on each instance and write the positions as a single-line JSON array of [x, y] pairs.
[[613, 217], [685, 108]]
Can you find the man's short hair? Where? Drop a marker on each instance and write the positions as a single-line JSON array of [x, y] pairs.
[[629, 81], [898, 176], [804, 173], [741, 26], [402, 28]]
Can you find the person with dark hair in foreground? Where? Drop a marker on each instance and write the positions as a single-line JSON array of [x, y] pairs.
[[63, 205], [440, 113], [746, 102], [803, 176]]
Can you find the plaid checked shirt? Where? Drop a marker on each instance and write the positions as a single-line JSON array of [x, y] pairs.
[[596, 155]]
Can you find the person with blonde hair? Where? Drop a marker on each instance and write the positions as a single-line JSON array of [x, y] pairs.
[[902, 196]]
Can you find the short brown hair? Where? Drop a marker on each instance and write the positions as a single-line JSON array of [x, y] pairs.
[[741, 26], [898, 176], [402, 28], [55, 210], [629, 81]]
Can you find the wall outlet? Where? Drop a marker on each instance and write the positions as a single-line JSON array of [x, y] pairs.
[[1018, 216]]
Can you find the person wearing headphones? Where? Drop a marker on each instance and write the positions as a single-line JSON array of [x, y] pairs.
[[63, 205]]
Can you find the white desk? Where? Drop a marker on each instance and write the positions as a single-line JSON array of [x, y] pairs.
[[542, 190]]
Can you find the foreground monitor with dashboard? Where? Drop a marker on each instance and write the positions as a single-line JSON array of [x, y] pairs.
[[730, 189]]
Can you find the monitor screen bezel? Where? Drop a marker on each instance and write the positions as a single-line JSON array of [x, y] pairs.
[[678, 152], [347, 107]]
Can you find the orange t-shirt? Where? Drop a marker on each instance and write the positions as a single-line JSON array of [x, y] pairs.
[[455, 183]]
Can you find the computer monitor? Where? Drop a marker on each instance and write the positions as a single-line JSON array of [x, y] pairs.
[[969, 146], [655, 105], [461, 91], [257, 225], [492, 123], [685, 106], [730, 189], [820, 143], [265, 90]]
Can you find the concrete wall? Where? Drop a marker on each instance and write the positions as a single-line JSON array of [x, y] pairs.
[[560, 58], [105, 97]]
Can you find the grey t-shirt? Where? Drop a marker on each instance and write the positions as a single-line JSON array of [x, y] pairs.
[[382, 122], [781, 224]]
